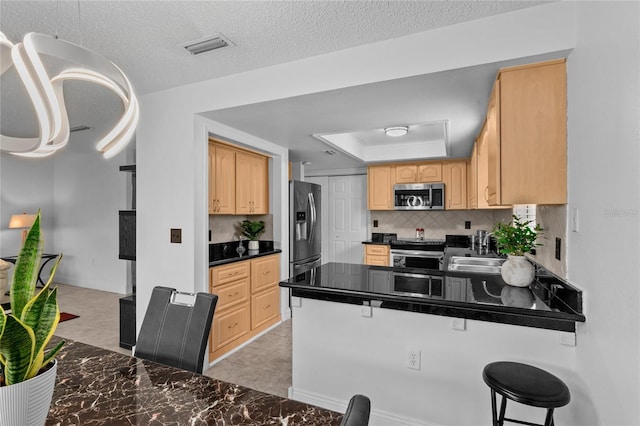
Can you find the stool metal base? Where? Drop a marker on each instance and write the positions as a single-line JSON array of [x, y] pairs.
[[498, 420]]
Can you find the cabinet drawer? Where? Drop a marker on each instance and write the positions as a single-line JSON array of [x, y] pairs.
[[227, 273], [232, 293], [229, 326], [264, 273], [376, 260], [264, 306], [373, 249]]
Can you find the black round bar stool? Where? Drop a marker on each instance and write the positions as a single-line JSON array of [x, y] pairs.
[[524, 384]]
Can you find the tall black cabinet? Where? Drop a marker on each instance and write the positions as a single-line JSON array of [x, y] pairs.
[[127, 251]]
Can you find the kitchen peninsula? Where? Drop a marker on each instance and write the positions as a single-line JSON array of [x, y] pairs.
[[354, 325]]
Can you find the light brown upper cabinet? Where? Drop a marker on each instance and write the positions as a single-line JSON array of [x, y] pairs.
[[418, 173], [472, 178], [526, 135], [252, 177], [454, 174], [380, 187], [222, 179], [478, 188], [430, 172]]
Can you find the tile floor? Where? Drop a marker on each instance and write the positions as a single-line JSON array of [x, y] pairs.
[[264, 365]]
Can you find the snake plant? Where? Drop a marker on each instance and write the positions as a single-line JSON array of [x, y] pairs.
[[26, 330]]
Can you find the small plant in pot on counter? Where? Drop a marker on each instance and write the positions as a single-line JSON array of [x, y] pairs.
[[252, 230], [24, 335], [515, 239]]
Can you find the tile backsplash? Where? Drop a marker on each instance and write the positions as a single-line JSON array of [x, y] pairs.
[[553, 220], [226, 228], [436, 224]]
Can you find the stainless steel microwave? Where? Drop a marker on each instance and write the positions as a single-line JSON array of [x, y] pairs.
[[418, 196]]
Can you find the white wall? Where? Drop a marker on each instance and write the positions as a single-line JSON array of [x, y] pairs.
[[25, 187], [79, 194], [88, 192], [171, 157], [337, 353], [604, 160]]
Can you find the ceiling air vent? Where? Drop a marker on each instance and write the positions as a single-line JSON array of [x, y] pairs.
[[207, 44]]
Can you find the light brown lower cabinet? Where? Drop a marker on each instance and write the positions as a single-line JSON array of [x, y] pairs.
[[248, 302], [376, 254]]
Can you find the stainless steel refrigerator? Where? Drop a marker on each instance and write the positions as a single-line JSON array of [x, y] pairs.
[[304, 227]]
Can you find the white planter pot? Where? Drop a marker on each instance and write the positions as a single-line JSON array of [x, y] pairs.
[[27, 403], [254, 245], [517, 271]]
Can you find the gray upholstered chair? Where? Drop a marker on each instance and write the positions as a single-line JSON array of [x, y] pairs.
[[175, 333], [358, 411]]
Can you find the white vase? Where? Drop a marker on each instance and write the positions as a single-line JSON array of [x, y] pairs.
[[254, 244], [28, 402], [517, 271]]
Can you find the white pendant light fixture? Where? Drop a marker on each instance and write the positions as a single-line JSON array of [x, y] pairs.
[[46, 93], [396, 131]]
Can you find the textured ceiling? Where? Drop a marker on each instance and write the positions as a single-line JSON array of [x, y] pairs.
[[144, 37]]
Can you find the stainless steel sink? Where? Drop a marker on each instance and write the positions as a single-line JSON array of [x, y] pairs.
[[484, 265]]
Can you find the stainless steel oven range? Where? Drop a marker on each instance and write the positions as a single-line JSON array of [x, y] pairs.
[[422, 254]]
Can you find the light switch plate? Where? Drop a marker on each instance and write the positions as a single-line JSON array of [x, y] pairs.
[[296, 302], [567, 338], [176, 235]]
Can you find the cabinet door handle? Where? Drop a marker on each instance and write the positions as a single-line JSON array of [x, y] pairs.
[[234, 294], [267, 307], [233, 326], [486, 193]]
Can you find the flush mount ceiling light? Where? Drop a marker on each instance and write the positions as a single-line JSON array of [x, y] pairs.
[[207, 44], [396, 131], [47, 96]]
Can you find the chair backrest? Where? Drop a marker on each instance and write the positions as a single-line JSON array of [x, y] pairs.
[[358, 411], [175, 333]]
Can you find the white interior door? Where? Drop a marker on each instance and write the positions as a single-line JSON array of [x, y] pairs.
[[347, 221]]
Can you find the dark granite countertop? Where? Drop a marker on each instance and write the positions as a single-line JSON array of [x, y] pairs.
[[547, 303], [223, 253], [380, 243], [99, 387]]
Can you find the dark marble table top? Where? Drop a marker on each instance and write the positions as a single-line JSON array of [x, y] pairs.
[[95, 386]]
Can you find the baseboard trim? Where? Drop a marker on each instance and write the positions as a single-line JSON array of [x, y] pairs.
[[378, 417]]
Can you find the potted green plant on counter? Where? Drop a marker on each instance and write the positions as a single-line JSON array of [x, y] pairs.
[[252, 230], [27, 369], [515, 239]]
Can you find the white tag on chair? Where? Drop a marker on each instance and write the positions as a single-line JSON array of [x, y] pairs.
[[185, 299]]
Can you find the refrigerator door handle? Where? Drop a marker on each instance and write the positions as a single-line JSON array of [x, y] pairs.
[[306, 263], [312, 206]]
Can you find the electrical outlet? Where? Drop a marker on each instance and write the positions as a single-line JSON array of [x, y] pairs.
[[176, 235], [375, 223], [413, 359], [558, 248], [467, 224]]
